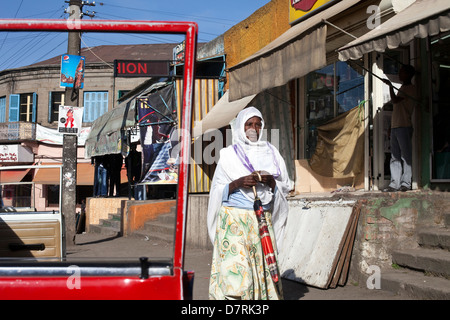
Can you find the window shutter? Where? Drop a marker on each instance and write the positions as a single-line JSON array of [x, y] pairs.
[[50, 113], [34, 110], [14, 104], [95, 105], [3, 109]]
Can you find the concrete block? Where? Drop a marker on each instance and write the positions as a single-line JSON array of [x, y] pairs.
[[432, 261]]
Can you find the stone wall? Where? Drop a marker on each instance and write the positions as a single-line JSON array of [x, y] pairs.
[[389, 222]]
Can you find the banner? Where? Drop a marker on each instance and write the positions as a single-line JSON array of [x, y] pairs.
[[158, 122], [70, 119], [72, 71], [53, 136]]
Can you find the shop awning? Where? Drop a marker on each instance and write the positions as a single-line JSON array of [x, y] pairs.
[[421, 19], [12, 176], [221, 114], [295, 53], [85, 175]]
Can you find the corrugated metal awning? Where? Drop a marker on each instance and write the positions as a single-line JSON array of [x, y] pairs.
[[295, 53], [421, 19]]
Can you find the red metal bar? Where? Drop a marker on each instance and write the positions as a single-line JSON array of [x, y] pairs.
[[168, 287], [122, 26], [91, 288]]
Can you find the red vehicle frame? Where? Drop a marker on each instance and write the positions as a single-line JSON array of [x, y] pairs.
[[156, 280]]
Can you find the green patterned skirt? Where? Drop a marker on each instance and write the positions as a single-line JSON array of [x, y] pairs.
[[238, 269]]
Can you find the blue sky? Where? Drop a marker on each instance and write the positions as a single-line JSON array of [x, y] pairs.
[[20, 49]]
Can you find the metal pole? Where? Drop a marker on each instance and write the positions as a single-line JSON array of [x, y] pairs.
[[70, 141]]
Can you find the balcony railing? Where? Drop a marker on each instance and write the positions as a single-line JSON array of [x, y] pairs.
[[17, 131]]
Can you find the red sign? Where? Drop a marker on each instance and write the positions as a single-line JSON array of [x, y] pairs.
[[141, 68]]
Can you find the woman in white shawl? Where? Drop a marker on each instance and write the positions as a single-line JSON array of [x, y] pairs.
[[238, 269]]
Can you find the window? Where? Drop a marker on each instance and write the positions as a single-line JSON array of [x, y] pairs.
[[22, 107], [27, 107], [55, 100], [332, 90], [95, 104], [122, 93], [2, 109]]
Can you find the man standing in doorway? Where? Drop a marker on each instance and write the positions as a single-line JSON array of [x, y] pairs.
[[401, 130]]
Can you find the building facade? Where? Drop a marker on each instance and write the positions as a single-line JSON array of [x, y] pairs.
[[29, 103], [296, 54]]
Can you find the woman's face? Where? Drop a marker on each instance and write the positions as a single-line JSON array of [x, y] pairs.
[[252, 128]]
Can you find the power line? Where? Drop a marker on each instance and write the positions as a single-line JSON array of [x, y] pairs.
[[29, 46], [87, 47], [52, 12], [20, 5], [51, 50], [209, 19], [106, 16]]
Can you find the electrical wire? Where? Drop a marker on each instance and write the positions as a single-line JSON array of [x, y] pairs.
[[199, 18], [32, 46], [20, 5], [50, 51], [18, 52], [152, 37], [87, 47]]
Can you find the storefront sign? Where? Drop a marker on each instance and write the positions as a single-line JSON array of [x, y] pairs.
[[72, 71], [15, 153], [301, 9], [141, 68], [178, 52], [70, 119]]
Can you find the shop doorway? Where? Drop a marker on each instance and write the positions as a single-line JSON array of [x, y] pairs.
[[440, 102], [388, 65]]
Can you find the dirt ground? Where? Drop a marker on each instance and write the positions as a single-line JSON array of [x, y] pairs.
[[96, 245]]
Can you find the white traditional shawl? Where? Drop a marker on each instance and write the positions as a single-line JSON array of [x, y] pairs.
[[239, 160]]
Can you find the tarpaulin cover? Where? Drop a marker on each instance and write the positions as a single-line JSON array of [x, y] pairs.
[[157, 117], [340, 146], [107, 134]]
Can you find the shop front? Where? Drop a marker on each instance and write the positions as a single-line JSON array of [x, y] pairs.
[[332, 63], [418, 36], [330, 99]]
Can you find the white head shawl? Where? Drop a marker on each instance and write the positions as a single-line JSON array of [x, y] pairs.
[[239, 160]]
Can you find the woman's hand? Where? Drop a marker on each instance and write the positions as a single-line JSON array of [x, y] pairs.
[[268, 180], [243, 182], [251, 180]]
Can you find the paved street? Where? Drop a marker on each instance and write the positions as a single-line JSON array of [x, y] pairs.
[[93, 245]]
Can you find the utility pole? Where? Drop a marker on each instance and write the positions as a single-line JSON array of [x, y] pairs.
[[70, 141]]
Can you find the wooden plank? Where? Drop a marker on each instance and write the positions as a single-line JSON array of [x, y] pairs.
[[343, 264], [341, 254], [344, 274]]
